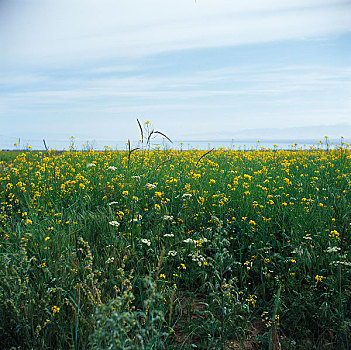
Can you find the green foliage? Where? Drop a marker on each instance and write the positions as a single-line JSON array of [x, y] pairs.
[[118, 325], [175, 249]]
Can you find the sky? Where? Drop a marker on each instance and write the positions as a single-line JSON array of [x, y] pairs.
[[198, 70]]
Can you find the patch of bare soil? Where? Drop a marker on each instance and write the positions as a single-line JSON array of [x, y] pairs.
[[256, 328], [189, 311]]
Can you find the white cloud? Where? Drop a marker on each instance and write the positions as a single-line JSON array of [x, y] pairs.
[[215, 99], [257, 80], [112, 69], [57, 31]]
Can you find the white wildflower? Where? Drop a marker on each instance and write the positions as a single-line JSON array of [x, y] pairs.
[[187, 195], [110, 260], [172, 253], [114, 223], [307, 237], [337, 263], [146, 241], [112, 167], [196, 257], [189, 240], [136, 177], [168, 235], [150, 185], [112, 203], [332, 249], [167, 217], [90, 165]]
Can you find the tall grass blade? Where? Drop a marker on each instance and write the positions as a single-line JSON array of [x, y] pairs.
[[204, 155], [141, 131], [164, 135]]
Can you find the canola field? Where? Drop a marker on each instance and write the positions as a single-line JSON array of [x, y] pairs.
[[165, 249]]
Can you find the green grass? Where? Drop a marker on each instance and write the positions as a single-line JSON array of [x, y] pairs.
[[6, 156], [168, 250]]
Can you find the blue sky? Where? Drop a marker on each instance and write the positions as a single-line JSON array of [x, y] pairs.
[[197, 70]]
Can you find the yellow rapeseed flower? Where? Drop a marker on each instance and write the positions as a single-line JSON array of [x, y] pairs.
[[318, 278]]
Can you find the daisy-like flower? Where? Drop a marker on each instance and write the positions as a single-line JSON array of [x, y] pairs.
[[172, 253], [112, 167], [168, 235], [150, 186], [167, 217], [146, 241], [187, 195], [90, 165], [332, 249], [114, 223]]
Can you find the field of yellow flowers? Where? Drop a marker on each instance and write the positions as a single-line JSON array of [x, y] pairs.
[[169, 249]]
